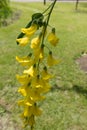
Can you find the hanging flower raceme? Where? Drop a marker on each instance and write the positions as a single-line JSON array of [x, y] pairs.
[[52, 38], [35, 77]]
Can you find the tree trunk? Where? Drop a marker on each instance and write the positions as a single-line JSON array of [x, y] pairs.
[[77, 1]]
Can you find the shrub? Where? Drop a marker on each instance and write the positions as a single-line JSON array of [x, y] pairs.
[[5, 11]]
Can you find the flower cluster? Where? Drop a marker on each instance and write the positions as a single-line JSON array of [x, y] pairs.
[[35, 78]]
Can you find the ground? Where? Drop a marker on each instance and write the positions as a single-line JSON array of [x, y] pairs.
[[82, 61]]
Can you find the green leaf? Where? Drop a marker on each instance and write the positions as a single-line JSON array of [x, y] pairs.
[[37, 16]]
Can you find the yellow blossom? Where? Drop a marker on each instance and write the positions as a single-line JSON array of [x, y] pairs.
[[32, 110], [36, 111], [25, 89], [25, 60], [25, 102], [22, 91], [26, 111], [39, 53], [40, 85], [35, 96], [35, 42], [53, 39], [30, 31], [23, 41], [23, 79], [45, 75], [51, 60], [45, 87], [31, 71], [29, 101]]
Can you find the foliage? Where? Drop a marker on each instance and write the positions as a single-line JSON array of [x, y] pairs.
[[5, 11]]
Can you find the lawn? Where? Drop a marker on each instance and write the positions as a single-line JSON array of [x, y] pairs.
[[65, 107]]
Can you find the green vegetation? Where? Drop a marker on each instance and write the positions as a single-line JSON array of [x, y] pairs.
[[66, 105], [5, 11]]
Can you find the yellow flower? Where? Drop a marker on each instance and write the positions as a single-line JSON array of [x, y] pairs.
[[29, 101], [32, 71], [36, 111], [45, 87], [25, 60], [40, 86], [53, 39], [30, 31], [35, 42], [51, 60], [32, 110], [23, 79], [45, 74], [39, 53], [26, 112], [23, 41], [22, 91], [25, 89], [36, 81], [35, 95], [25, 102]]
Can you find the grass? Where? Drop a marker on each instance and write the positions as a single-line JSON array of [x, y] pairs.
[[65, 107]]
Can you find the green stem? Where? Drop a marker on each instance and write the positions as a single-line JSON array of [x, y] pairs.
[[50, 12], [48, 18], [47, 8], [46, 24], [32, 127]]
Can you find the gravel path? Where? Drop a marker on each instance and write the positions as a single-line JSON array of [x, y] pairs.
[[27, 0], [48, 0]]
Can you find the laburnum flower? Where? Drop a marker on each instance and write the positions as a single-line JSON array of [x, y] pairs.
[[36, 95], [32, 110], [32, 71], [39, 53], [44, 88], [51, 60], [23, 41], [52, 38], [31, 93], [41, 85], [25, 101], [25, 90], [35, 42], [23, 79], [25, 61], [22, 91], [30, 31], [45, 75]]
